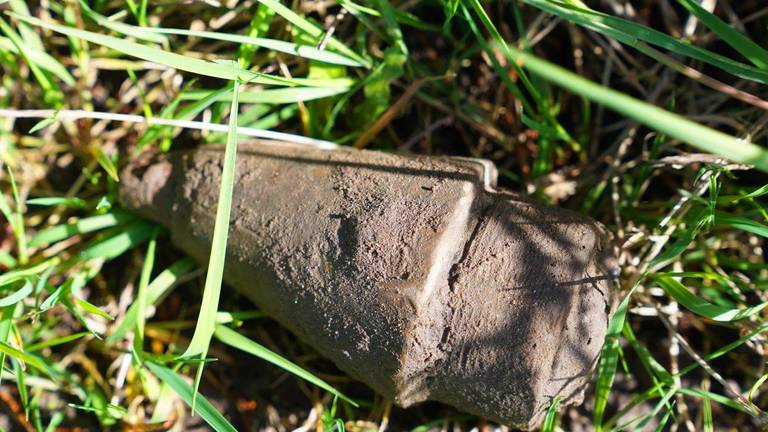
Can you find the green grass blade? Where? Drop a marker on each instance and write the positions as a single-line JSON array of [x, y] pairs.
[[304, 51], [702, 307], [18, 295], [55, 341], [142, 297], [31, 39], [44, 60], [741, 43], [180, 62], [725, 349], [756, 386], [51, 94], [271, 96], [92, 309], [188, 113], [21, 385], [758, 192], [140, 33], [630, 33], [499, 40], [22, 273], [674, 125], [55, 297], [664, 401], [687, 236], [165, 404], [19, 230], [73, 202], [311, 29], [126, 239], [742, 223], [204, 408], [488, 48], [42, 124], [83, 226], [654, 368], [259, 26], [106, 163], [6, 322], [402, 17], [236, 340], [207, 319], [609, 356], [707, 408], [7, 260], [391, 26], [550, 420], [238, 316], [27, 358], [5, 209], [723, 400]]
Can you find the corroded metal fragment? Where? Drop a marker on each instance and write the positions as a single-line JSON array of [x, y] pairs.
[[413, 274]]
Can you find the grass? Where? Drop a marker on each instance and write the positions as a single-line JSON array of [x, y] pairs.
[[599, 109]]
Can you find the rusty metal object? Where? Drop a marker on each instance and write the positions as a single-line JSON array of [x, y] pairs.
[[413, 274]]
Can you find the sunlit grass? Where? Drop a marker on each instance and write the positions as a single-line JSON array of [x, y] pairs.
[[98, 85]]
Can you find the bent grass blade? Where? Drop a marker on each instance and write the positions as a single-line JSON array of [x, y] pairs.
[[206, 321]]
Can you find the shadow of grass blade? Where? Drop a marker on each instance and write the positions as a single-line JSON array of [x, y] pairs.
[[674, 125], [236, 340], [205, 409]]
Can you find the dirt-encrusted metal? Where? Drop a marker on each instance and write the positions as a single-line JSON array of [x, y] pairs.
[[414, 275]]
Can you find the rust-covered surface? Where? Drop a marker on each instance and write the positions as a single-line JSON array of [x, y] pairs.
[[413, 274]]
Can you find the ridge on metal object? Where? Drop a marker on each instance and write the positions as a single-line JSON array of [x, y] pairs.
[[413, 274]]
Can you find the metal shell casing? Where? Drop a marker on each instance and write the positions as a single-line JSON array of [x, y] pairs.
[[413, 274]]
